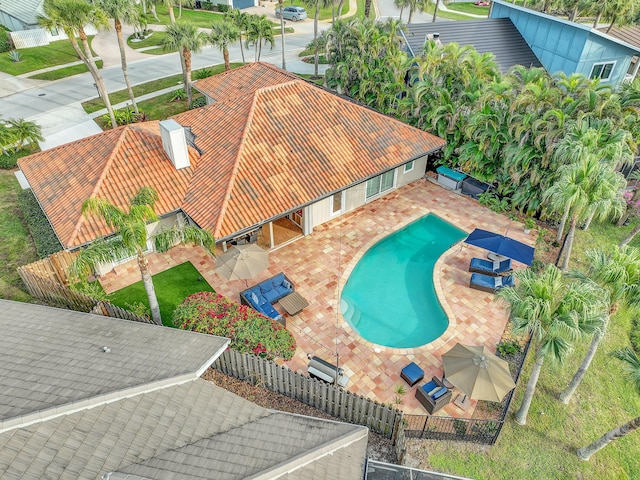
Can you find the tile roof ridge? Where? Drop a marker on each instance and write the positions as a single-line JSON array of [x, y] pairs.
[[275, 68], [105, 170], [236, 165]]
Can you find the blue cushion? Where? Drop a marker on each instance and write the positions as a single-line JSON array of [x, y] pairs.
[[287, 285], [271, 295], [282, 290], [278, 279], [440, 393], [268, 310], [427, 387], [452, 174], [413, 372], [266, 286]]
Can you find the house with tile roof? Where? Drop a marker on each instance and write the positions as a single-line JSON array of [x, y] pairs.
[[92, 397], [268, 147]]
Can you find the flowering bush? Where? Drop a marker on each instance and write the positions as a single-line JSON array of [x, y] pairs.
[[249, 331]]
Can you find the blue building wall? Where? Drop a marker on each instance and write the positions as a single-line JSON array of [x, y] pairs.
[[563, 46]]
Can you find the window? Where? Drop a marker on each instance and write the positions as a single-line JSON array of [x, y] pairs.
[[380, 184], [336, 203], [408, 166], [602, 70]]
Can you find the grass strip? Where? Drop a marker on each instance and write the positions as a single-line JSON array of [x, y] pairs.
[[120, 96], [64, 72]]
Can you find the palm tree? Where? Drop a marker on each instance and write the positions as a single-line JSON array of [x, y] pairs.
[[240, 20], [589, 186], [259, 30], [22, 132], [632, 367], [185, 38], [554, 313], [186, 3], [71, 16], [435, 9], [123, 11], [317, 5], [618, 275], [131, 236], [222, 34], [169, 5], [401, 4], [281, 6]]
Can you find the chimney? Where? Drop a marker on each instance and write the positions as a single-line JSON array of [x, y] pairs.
[[174, 143]]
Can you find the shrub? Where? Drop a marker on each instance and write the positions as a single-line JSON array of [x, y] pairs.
[[493, 202], [125, 117], [179, 95], [197, 103], [249, 331], [222, 8], [5, 40], [15, 57], [43, 236], [508, 347], [91, 289], [207, 5], [203, 73]]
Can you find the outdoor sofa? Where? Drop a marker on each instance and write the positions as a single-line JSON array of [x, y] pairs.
[[262, 296], [490, 284], [433, 395], [487, 267]]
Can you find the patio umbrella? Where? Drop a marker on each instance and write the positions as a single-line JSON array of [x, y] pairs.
[[505, 246], [478, 372], [241, 262]]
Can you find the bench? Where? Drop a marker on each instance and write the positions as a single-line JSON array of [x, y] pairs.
[[450, 178], [262, 296], [327, 372]]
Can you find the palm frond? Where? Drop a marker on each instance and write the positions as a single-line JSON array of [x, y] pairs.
[[189, 234], [99, 252]]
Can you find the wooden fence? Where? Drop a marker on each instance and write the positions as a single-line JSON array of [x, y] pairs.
[[338, 403], [53, 268], [46, 281]]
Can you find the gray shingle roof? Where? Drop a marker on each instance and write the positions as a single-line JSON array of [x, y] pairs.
[[496, 35], [24, 10], [53, 359], [269, 446], [189, 430]]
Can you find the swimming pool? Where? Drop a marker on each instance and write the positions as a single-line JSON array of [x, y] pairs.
[[389, 297]]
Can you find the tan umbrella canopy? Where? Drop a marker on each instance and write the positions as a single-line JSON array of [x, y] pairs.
[[241, 262], [478, 372]]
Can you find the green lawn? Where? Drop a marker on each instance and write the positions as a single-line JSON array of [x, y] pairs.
[[442, 14], [172, 287], [152, 41], [36, 58], [64, 72], [469, 7], [17, 246], [200, 18]]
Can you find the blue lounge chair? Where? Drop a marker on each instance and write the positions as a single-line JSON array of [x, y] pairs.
[[487, 267], [490, 284]]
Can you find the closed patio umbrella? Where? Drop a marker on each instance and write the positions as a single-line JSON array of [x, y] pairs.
[[242, 262], [478, 372], [505, 246]]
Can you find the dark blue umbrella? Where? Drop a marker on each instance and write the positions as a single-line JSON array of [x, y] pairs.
[[505, 246]]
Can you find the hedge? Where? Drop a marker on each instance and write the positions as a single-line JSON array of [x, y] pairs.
[[43, 236]]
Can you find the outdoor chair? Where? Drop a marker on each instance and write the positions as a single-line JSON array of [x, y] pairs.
[[486, 267], [433, 395], [490, 284], [412, 374]]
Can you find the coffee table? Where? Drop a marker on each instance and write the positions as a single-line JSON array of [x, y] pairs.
[[293, 303]]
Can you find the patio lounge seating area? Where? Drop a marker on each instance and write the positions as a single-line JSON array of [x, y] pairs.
[[433, 395], [487, 267], [489, 284], [262, 296]]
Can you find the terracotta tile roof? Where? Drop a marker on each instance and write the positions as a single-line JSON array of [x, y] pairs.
[[242, 81], [111, 165], [263, 154]]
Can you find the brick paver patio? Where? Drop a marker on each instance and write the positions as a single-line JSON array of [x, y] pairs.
[[320, 264]]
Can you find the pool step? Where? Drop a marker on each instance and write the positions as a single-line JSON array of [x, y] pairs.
[[350, 313]]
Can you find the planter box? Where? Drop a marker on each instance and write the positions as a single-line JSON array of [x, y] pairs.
[[450, 178], [473, 187]]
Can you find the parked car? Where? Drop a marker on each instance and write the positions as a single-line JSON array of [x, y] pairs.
[[292, 13], [481, 4]]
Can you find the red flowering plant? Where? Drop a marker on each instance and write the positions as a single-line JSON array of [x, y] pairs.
[[249, 331]]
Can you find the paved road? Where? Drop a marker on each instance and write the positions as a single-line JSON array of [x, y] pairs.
[[56, 105]]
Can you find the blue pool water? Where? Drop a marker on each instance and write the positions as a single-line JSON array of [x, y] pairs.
[[389, 298]]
